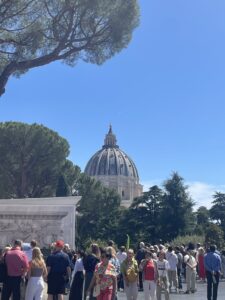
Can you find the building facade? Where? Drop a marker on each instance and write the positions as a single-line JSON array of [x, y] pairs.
[[115, 169]]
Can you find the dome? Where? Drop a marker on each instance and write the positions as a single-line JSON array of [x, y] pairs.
[[111, 160], [115, 170]]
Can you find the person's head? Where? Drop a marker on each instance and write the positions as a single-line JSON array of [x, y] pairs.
[[122, 249], [37, 257], [161, 247], [59, 244], [151, 249], [170, 249], [95, 249], [141, 245], [105, 256], [18, 243], [33, 243], [156, 248], [66, 248], [36, 253], [112, 251], [81, 253], [212, 248], [177, 249], [130, 254], [201, 251], [148, 255], [162, 255], [111, 243]]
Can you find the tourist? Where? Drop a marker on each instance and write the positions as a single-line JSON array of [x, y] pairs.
[[121, 255], [129, 269], [37, 273], [162, 283], [191, 264], [200, 261], [148, 268], [139, 257], [179, 267], [172, 259], [104, 278], [212, 262], [76, 290], [17, 266], [90, 263], [223, 263], [58, 266]]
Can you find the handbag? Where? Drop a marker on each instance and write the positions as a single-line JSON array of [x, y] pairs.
[[96, 290]]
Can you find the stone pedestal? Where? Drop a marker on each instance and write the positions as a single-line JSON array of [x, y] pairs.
[[42, 219]]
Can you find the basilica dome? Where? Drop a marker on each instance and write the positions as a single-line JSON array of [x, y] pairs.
[[115, 169]]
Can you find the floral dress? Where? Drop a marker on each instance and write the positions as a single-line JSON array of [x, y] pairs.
[[105, 276]]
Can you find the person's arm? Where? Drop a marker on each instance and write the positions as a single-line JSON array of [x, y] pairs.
[[25, 265], [92, 283], [45, 272], [207, 267], [68, 270], [114, 287], [29, 271]]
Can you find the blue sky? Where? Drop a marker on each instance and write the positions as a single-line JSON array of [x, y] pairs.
[[164, 96]]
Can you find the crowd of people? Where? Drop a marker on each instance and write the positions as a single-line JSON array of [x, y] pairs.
[[100, 273]]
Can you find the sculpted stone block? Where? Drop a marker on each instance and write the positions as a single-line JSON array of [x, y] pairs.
[[42, 219]]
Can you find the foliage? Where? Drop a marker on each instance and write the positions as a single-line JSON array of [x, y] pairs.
[[36, 33], [99, 210], [215, 235], [177, 212], [144, 216], [217, 211], [62, 189], [187, 239], [31, 160], [203, 220]]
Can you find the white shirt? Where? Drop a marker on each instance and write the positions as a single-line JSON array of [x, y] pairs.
[[79, 267], [172, 260], [190, 261], [162, 267], [121, 256]]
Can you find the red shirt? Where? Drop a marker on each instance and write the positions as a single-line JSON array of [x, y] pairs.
[[149, 270], [16, 261]]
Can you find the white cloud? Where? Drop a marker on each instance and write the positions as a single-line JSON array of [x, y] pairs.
[[200, 192]]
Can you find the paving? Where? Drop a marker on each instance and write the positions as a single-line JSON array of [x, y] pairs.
[[200, 294]]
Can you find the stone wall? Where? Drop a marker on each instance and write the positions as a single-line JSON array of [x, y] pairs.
[[42, 219]]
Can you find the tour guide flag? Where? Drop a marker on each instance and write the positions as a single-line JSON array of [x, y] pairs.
[[128, 242]]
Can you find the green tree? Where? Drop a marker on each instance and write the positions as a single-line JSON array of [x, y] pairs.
[[62, 189], [217, 211], [98, 209], [144, 216], [31, 160], [36, 33], [203, 220], [177, 211], [214, 235]]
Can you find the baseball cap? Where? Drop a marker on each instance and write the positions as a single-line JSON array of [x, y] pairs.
[[59, 244]]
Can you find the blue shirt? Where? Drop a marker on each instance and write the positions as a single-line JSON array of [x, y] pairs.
[[212, 262], [58, 262]]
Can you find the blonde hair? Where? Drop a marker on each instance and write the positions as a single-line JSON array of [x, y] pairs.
[[201, 250], [37, 258], [112, 251]]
